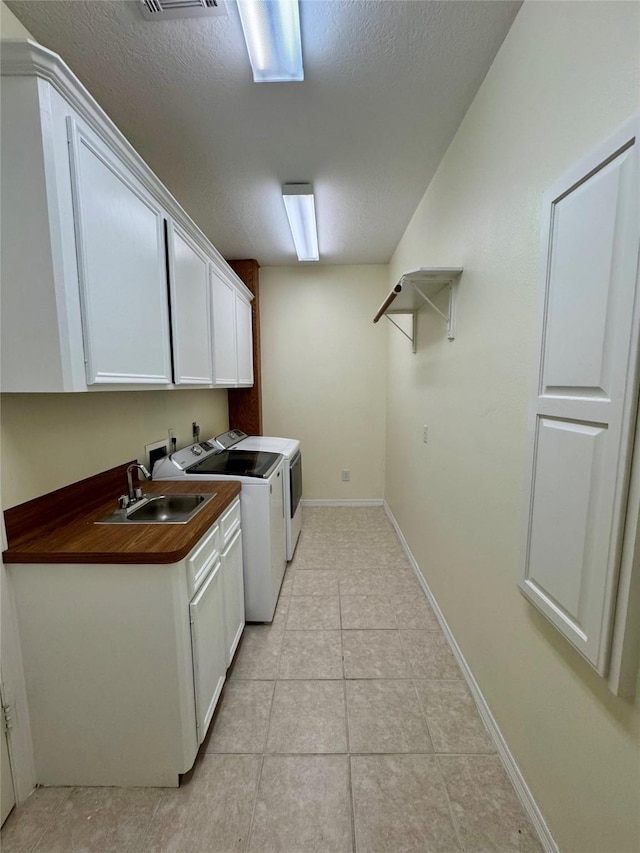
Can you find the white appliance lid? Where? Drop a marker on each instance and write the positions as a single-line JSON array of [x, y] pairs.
[[271, 444]]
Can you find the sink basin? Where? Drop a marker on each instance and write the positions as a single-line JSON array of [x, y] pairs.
[[159, 509]]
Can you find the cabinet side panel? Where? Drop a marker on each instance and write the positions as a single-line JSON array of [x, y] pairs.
[[28, 268]]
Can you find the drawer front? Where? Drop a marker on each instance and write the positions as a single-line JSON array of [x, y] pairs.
[[230, 523], [202, 558]]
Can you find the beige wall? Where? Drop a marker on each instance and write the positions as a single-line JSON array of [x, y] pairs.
[[565, 78], [51, 440], [323, 368], [10, 26]]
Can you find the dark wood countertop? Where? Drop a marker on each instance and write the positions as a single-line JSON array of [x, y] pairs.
[[78, 539]]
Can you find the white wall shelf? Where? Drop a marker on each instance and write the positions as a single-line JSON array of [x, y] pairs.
[[417, 288]]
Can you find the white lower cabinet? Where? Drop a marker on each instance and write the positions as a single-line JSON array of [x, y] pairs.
[[233, 595], [207, 616], [124, 663]]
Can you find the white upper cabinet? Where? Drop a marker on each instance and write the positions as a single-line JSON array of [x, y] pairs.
[[190, 309], [244, 340], [585, 396], [121, 266], [225, 357], [85, 281], [232, 335]]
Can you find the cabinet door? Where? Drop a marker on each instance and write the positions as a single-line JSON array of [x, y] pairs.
[[121, 266], [585, 396], [233, 595], [208, 647], [244, 341], [190, 309], [225, 361]]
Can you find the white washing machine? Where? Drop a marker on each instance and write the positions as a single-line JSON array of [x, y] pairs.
[[262, 508], [235, 439]]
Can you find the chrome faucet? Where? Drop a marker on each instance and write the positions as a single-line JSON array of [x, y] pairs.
[[135, 494]]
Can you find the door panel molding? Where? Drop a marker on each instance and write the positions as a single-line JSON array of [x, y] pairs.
[[584, 395]]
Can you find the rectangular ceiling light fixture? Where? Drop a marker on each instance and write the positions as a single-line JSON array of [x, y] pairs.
[[301, 212], [272, 32]]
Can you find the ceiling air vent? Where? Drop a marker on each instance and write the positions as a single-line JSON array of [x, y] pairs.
[[163, 10]]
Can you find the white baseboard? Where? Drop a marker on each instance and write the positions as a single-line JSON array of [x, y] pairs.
[[513, 771], [353, 502]]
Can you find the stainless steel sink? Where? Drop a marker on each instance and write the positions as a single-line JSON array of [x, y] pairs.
[[159, 509]]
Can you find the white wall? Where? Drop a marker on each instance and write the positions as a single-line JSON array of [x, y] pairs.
[[323, 371], [564, 79]]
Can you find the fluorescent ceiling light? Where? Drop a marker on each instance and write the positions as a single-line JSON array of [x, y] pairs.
[[272, 32], [301, 212]]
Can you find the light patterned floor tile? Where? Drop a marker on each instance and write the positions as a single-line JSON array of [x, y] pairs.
[[487, 813], [452, 716], [366, 611], [430, 655], [385, 716], [92, 820], [314, 613], [242, 718], [28, 822], [258, 654], [311, 655], [413, 611], [308, 717], [303, 805], [316, 582], [400, 803], [211, 811], [374, 654]]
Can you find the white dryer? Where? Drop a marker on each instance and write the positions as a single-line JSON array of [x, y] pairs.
[[235, 439], [262, 508]]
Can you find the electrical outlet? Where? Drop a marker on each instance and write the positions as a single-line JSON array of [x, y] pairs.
[[346, 475], [425, 433]]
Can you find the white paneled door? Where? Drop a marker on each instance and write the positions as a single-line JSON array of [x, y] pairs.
[[585, 398]]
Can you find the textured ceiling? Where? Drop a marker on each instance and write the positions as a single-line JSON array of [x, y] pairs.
[[386, 85]]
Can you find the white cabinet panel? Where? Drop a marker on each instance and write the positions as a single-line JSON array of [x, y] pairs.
[[587, 311], [233, 595], [207, 642], [584, 399], [278, 534], [244, 341], [564, 518], [225, 361], [122, 267], [190, 309]]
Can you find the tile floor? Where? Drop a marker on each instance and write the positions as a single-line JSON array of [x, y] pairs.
[[345, 725]]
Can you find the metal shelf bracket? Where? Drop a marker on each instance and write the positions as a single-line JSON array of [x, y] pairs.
[[414, 323], [450, 318], [423, 281]]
